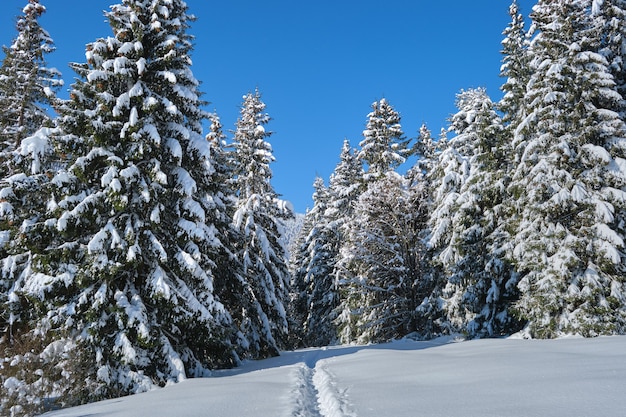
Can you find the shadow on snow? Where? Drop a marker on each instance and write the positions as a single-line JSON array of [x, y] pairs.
[[311, 356]]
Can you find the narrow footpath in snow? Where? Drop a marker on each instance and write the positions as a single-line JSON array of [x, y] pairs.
[[315, 392]]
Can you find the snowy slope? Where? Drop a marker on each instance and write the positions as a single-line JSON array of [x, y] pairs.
[[482, 378]]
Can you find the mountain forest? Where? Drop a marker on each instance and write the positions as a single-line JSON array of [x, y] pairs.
[[141, 244]]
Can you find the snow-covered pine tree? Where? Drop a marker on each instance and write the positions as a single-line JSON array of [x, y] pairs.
[[127, 277], [516, 71], [447, 178], [425, 148], [262, 317], [426, 286], [27, 85], [27, 88], [378, 241], [515, 68], [315, 297], [569, 184], [297, 307], [230, 283], [345, 187], [480, 282], [442, 141], [383, 147], [378, 253]]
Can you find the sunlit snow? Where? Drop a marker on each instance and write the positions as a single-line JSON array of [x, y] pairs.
[[482, 378]]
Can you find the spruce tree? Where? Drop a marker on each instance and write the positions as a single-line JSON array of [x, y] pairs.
[[569, 241], [378, 240], [27, 89], [379, 250], [426, 285], [128, 274], [262, 318], [447, 179], [298, 305], [230, 283], [480, 282], [315, 297], [345, 187], [27, 85], [515, 69]]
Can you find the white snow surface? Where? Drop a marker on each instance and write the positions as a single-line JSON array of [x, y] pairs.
[[492, 377]]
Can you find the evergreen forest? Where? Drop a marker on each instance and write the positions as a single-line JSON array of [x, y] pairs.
[[141, 244]]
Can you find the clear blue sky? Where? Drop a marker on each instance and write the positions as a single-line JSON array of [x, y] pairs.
[[319, 65]]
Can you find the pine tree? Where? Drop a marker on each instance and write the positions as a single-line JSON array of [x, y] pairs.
[[127, 278], [426, 286], [22, 213], [480, 282], [448, 177], [378, 251], [315, 297], [383, 147], [569, 241], [378, 240], [262, 319], [345, 187], [515, 68], [27, 86], [230, 284], [298, 305]]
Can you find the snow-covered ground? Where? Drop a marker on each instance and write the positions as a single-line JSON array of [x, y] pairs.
[[482, 378]]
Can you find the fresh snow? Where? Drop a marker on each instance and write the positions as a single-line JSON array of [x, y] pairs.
[[36, 147], [141, 66], [491, 377]]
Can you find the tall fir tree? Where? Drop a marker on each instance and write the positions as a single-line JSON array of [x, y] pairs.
[[127, 277], [481, 283], [315, 296], [27, 85], [262, 318], [379, 251], [426, 284], [378, 241], [230, 284], [345, 187], [298, 305], [515, 69], [447, 179], [569, 187], [27, 90]]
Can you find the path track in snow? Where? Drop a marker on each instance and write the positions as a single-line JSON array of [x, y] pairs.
[[316, 393], [305, 393]]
